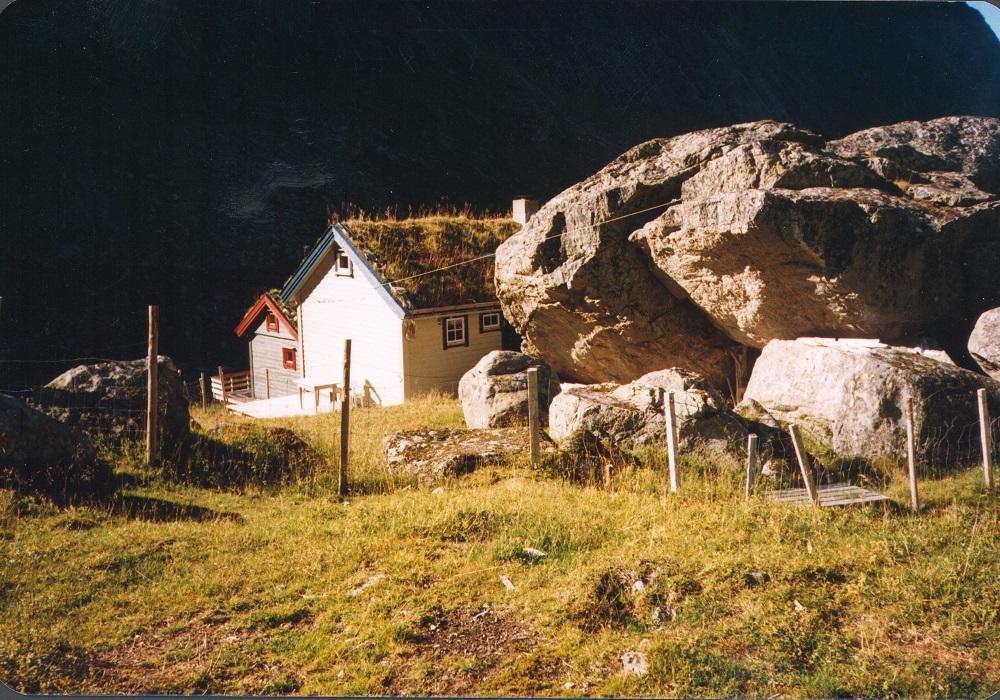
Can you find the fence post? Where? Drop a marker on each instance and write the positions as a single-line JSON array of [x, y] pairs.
[[533, 422], [671, 424], [751, 463], [911, 453], [803, 459], [985, 437], [267, 382], [152, 386], [201, 384], [345, 420], [222, 385]]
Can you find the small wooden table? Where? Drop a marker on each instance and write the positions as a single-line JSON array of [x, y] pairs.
[[316, 386]]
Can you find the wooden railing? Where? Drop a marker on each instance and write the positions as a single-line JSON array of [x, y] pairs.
[[231, 386]]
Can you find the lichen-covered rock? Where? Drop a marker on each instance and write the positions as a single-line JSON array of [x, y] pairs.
[[109, 398], [632, 415], [494, 393], [41, 454], [850, 398], [433, 455], [740, 235], [984, 343]]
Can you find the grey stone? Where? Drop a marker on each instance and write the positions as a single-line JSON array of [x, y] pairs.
[[494, 393], [109, 398], [632, 415], [850, 397], [984, 343]]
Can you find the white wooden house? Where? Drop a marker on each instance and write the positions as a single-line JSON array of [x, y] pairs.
[[273, 349], [407, 339]]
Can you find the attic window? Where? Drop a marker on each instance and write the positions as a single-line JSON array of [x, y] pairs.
[[344, 266], [454, 330], [288, 358], [489, 321], [271, 323]]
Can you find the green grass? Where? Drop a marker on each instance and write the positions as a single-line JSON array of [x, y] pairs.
[[250, 591]]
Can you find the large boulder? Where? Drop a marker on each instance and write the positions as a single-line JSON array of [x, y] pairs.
[[849, 396], [432, 455], [494, 393], [41, 454], [632, 415], [984, 343], [109, 399], [685, 249]]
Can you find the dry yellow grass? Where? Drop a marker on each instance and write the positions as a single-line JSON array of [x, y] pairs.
[[254, 592]]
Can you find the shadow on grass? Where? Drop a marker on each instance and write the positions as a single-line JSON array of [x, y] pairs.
[[159, 510]]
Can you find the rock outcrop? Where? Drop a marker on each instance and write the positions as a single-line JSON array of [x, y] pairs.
[[850, 398], [686, 251], [494, 393], [984, 343], [39, 453], [109, 398], [432, 455], [632, 415]]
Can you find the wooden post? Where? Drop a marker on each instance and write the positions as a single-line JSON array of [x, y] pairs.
[[803, 459], [267, 382], [671, 424], [911, 453], [985, 437], [201, 384], [345, 419], [222, 385], [152, 386], [533, 422], [751, 463]]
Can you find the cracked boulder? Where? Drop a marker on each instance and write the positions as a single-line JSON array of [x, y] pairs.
[[690, 250]]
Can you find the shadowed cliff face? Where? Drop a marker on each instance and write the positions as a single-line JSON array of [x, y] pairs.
[[183, 153]]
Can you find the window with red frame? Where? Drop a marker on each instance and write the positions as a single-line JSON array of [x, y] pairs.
[[271, 323], [288, 358]]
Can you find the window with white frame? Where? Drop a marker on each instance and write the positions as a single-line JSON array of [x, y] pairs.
[[344, 266], [489, 321], [455, 332]]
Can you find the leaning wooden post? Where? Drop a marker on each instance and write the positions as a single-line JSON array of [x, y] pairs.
[[222, 385], [671, 424], [803, 459], [533, 422], [985, 437], [751, 463], [345, 420], [911, 452], [201, 384], [152, 386], [267, 382]]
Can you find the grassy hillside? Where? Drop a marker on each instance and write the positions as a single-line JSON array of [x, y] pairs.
[[185, 589]]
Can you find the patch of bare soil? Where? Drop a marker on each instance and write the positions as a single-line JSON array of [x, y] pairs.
[[485, 638], [206, 654]]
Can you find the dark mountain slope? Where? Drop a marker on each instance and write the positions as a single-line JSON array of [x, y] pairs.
[[184, 152]]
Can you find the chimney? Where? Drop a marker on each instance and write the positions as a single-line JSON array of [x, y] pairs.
[[523, 208]]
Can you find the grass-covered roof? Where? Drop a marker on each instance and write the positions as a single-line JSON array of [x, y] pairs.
[[398, 249]]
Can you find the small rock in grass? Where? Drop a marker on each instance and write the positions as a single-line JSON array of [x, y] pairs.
[[635, 663], [799, 607], [370, 582], [532, 552], [569, 685], [756, 578], [438, 491], [485, 611], [663, 613], [638, 587], [507, 583], [340, 675]]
